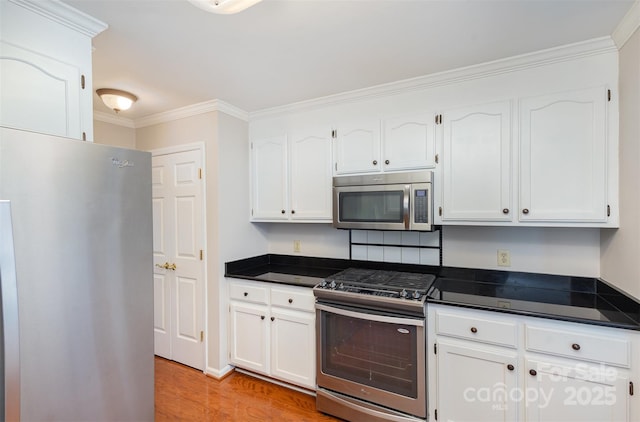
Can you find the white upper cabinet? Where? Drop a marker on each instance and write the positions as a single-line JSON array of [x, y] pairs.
[[45, 68], [269, 179], [398, 143], [311, 174], [292, 176], [358, 147], [477, 163], [409, 142], [563, 157]]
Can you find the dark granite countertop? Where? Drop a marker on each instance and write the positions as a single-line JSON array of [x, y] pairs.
[[577, 299]]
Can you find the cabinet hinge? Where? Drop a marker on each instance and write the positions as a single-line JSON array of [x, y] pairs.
[[199, 173], [201, 336], [608, 211], [84, 136], [608, 95], [336, 166], [201, 254], [438, 119], [251, 145], [82, 83], [334, 134], [631, 388], [437, 158], [435, 413], [251, 212], [440, 211], [435, 348]]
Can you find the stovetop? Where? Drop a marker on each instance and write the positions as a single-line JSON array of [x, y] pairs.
[[376, 288]]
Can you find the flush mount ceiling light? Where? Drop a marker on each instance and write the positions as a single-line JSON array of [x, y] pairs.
[[115, 99], [225, 7]]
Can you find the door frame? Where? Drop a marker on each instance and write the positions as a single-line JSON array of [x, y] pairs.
[[197, 146]]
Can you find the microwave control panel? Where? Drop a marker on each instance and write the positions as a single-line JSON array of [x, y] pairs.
[[421, 206]]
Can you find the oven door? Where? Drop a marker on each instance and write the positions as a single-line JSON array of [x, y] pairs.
[[372, 356]]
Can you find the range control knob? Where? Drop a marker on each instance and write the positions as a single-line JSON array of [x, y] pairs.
[[416, 294], [323, 284], [404, 293], [341, 286], [332, 285]]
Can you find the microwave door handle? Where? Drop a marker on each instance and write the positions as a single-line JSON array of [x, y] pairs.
[[405, 207]]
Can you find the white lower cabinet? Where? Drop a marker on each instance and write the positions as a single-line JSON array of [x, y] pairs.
[[500, 367], [473, 382], [272, 331]]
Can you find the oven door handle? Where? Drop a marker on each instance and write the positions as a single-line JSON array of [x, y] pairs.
[[370, 317]]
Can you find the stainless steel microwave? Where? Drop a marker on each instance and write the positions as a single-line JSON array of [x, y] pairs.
[[390, 201]]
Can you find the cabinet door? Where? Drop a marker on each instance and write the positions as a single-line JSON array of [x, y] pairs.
[[575, 392], [563, 153], [39, 93], [269, 178], [409, 142], [477, 163], [358, 147], [249, 336], [293, 347], [311, 174], [476, 383]]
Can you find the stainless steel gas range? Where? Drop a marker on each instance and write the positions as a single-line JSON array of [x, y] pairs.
[[371, 340]]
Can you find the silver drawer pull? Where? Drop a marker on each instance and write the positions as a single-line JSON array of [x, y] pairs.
[[474, 330], [575, 346]]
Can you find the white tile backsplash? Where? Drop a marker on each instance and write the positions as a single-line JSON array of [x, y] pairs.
[[392, 254], [375, 253], [359, 252], [410, 238], [358, 236], [374, 236], [430, 239], [430, 256], [410, 255], [392, 238]]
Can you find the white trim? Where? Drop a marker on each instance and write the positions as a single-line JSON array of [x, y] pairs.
[[511, 64], [219, 374], [276, 381], [627, 26], [191, 110], [113, 119], [66, 15]]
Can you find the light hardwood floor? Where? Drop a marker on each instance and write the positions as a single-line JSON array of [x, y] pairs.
[[186, 394]]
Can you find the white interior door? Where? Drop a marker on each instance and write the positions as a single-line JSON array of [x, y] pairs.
[[178, 239]]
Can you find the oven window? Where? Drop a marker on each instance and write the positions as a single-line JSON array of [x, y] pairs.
[[377, 354], [382, 206]]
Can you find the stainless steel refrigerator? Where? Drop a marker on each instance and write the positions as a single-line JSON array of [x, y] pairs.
[[76, 277]]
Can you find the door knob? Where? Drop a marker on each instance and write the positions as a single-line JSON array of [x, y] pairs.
[[171, 266]]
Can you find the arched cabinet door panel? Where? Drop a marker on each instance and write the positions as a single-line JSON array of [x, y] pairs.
[[39, 93]]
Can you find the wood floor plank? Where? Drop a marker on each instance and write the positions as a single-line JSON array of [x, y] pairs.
[[186, 394]]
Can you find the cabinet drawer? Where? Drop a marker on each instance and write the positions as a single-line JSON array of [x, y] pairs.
[[291, 299], [477, 329], [248, 293], [590, 347]]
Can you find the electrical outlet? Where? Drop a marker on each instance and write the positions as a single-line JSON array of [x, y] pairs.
[[296, 246], [504, 258]]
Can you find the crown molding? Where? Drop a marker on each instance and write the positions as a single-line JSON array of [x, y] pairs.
[[511, 64], [113, 119], [627, 26], [65, 15], [192, 110]]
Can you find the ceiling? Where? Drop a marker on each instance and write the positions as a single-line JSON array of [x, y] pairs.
[[172, 54]]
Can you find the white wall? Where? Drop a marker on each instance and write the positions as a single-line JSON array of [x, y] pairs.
[[621, 248], [229, 233], [114, 135]]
